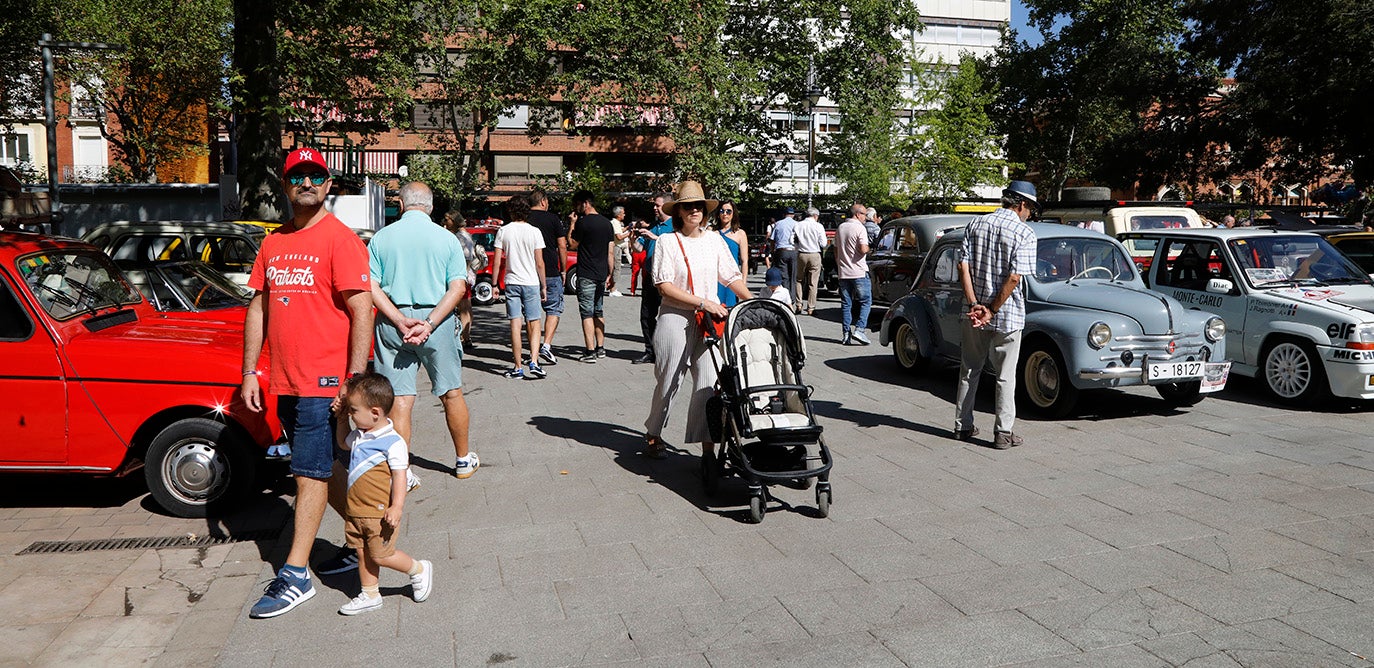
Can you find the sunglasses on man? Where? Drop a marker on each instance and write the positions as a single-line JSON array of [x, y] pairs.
[[315, 179]]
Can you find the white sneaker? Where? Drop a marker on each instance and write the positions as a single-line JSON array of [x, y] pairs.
[[421, 584], [616, 293], [412, 480], [362, 603], [464, 468]]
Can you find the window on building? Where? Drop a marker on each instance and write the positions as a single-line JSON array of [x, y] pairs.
[[426, 116], [827, 122], [527, 166], [14, 149], [515, 119]]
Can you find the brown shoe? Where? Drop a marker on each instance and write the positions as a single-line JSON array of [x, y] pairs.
[[1006, 439], [966, 435]]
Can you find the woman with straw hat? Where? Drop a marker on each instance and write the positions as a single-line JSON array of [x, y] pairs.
[[688, 266]]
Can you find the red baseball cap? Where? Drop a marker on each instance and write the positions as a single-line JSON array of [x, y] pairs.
[[304, 156]]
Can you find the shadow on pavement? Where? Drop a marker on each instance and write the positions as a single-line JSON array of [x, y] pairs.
[[680, 472]]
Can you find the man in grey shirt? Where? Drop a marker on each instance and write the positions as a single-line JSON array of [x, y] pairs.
[[784, 250]]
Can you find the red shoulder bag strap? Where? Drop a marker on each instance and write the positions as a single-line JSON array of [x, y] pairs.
[[691, 284]]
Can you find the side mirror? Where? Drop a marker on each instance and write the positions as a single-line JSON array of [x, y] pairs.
[[1220, 286]]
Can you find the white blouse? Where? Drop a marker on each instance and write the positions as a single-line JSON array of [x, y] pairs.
[[711, 260]]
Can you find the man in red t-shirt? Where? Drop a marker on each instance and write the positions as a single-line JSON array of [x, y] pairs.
[[313, 300]]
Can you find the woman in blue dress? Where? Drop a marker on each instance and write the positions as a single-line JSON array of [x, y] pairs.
[[738, 242]]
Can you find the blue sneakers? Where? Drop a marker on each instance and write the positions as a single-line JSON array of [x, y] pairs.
[[284, 592]]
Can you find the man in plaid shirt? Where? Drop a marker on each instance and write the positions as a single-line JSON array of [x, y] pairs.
[[998, 250]]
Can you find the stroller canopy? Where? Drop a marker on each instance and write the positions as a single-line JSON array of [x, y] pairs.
[[767, 314]]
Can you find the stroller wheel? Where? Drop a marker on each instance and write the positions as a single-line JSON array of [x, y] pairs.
[[823, 500], [756, 509], [710, 474]]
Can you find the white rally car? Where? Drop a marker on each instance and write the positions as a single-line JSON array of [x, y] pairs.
[[1298, 312]]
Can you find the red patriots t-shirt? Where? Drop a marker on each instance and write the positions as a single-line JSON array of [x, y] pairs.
[[303, 275]]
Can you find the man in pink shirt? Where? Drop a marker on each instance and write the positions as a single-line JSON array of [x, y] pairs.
[[851, 260]]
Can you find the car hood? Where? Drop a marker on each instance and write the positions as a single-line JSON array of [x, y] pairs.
[[1155, 312], [154, 348], [1346, 299]]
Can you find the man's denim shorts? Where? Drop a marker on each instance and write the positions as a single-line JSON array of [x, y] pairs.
[[522, 301], [589, 297], [400, 362], [553, 304], [309, 426]]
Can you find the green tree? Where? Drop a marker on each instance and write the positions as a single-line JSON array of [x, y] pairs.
[[1108, 96], [955, 149], [862, 70], [1303, 84], [322, 66], [21, 76], [164, 84]]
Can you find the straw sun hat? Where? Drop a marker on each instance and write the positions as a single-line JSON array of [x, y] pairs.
[[690, 191]]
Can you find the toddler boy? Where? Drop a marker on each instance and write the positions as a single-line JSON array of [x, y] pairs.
[[775, 291], [371, 492]]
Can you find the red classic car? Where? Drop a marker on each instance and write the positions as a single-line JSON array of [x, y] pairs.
[[96, 381]]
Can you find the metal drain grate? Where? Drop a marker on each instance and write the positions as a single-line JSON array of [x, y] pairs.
[[71, 546]]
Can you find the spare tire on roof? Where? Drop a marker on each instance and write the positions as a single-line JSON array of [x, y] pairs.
[[1089, 194]]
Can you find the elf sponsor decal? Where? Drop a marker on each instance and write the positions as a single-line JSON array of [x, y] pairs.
[[1198, 298], [1340, 330]]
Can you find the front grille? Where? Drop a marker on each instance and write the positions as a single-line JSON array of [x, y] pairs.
[[1156, 346], [154, 543]]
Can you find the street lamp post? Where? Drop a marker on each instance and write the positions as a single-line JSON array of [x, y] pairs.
[[813, 97]]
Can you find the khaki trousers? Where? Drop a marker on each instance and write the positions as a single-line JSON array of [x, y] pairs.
[[809, 277]]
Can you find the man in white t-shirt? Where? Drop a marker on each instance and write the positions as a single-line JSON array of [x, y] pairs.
[[810, 242], [519, 250]]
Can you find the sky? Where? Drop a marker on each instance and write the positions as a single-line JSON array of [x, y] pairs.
[[1018, 22]]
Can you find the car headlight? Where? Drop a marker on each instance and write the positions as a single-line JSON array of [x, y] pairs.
[[1099, 335], [1216, 328]]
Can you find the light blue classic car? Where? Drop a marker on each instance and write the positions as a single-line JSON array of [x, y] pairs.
[[1090, 323]]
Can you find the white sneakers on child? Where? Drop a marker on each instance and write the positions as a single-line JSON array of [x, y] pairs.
[[422, 582], [360, 604]]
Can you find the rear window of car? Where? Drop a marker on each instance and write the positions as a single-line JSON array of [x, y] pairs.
[[149, 247], [1156, 222]]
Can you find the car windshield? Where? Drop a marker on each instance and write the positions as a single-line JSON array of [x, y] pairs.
[[205, 288], [1289, 259], [69, 282], [1062, 259]]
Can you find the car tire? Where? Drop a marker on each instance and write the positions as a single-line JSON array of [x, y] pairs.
[[570, 281], [1292, 372], [1044, 386], [197, 465], [1180, 394], [906, 348], [484, 292]]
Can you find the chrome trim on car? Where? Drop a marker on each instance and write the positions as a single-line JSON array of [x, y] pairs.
[[1112, 373], [1156, 346]]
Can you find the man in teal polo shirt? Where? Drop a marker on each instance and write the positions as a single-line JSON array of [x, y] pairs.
[[419, 275]]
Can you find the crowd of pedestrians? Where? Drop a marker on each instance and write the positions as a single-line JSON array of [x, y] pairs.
[[322, 302]]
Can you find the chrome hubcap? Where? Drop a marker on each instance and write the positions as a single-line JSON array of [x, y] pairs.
[[194, 470], [1288, 370]]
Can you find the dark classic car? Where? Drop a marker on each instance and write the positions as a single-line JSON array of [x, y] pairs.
[[1090, 323], [896, 257]]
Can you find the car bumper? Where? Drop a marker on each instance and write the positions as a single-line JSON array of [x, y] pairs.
[[1350, 380], [1214, 374]]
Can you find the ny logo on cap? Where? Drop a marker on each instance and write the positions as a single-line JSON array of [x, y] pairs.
[[306, 154]]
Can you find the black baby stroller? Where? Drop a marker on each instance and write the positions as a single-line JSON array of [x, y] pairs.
[[761, 415]]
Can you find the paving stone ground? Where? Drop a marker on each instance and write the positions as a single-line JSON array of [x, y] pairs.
[[1231, 533]]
